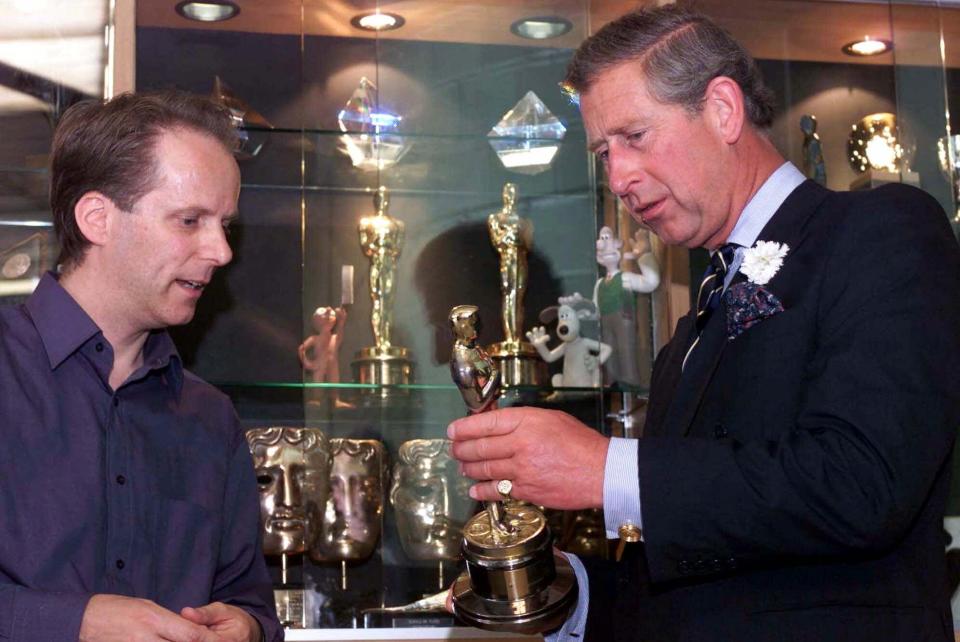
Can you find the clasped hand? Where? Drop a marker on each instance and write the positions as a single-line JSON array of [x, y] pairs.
[[115, 618], [552, 459]]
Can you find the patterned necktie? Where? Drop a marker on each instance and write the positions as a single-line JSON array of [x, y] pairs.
[[711, 287]]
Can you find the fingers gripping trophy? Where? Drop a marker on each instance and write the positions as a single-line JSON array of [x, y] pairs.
[[381, 238], [514, 581], [512, 237]]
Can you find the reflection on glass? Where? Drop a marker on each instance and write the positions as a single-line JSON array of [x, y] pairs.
[[873, 144], [430, 499], [293, 476], [947, 152]]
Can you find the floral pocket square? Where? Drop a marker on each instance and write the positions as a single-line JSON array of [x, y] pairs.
[[748, 304]]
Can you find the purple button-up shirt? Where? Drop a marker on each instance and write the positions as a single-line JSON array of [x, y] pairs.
[[146, 491]]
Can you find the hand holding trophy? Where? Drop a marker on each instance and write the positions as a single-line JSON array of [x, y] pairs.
[[514, 581]]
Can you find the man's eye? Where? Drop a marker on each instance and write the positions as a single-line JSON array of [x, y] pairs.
[[603, 156], [635, 137], [189, 221]]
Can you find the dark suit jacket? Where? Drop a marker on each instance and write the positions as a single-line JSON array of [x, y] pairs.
[[793, 480]]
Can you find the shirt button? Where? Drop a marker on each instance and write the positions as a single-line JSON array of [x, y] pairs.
[[120, 564], [99, 347], [121, 480]]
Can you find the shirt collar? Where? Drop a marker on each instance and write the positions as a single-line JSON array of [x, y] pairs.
[[62, 324], [64, 327], [765, 203]]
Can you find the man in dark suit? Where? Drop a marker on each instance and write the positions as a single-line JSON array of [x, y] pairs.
[[792, 478]]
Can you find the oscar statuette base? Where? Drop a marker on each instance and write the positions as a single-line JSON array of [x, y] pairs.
[[518, 363], [388, 367], [514, 581]]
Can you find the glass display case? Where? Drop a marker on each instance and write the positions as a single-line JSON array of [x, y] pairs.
[[372, 162]]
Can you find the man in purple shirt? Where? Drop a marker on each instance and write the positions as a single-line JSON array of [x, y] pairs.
[[127, 492]]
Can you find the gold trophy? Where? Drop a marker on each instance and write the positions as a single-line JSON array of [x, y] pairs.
[[293, 478], [512, 237], [354, 513], [514, 581], [381, 237]]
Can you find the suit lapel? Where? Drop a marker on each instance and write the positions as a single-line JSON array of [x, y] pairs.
[[786, 226]]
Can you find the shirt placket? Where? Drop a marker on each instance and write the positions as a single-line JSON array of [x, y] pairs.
[[120, 510]]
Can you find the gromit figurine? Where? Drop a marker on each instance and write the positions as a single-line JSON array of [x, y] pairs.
[[581, 356], [614, 297]]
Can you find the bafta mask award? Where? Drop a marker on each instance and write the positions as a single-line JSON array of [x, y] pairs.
[[381, 237], [293, 477], [512, 237], [354, 511], [431, 501], [514, 581]]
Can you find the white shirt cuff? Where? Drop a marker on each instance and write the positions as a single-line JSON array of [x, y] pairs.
[[621, 486], [576, 624]]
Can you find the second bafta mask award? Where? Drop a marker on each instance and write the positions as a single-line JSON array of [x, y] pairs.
[[514, 581], [381, 237], [512, 237]]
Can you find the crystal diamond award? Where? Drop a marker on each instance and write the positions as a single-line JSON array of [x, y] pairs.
[[370, 135], [250, 124], [528, 136]]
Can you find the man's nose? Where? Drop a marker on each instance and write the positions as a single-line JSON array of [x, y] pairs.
[[217, 246], [622, 172]]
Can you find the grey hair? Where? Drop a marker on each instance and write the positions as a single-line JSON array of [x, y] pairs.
[[680, 51]]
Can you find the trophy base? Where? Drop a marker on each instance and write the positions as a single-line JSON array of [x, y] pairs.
[[388, 367], [537, 613], [290, 608], [519, 364]]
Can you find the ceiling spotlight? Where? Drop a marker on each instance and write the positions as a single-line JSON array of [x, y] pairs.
[[541, 27], [867, 47], [213, 11], [377, 21]]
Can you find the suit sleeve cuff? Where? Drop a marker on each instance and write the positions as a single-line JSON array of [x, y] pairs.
[[621, 486]]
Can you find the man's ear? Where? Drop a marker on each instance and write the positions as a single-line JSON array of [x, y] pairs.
[[724, 109], [92, 213]]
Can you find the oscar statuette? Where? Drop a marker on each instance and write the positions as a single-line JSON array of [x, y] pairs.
[[512, 236], [381, 237], [514, 580]]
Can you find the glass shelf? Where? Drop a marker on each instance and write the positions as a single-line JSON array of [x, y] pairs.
[[426, 387]]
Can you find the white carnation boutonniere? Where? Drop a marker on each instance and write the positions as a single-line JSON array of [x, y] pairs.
[[762, 261]]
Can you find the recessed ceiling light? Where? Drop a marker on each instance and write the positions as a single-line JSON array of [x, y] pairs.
[[213, 11], [377, 21], [867, 47], [541, 27]]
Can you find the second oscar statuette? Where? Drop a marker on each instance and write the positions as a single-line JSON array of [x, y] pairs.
[[512, 237], [381, 237], [514, 580]]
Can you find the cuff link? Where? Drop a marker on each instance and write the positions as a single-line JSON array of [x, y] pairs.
[[629, 534]]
